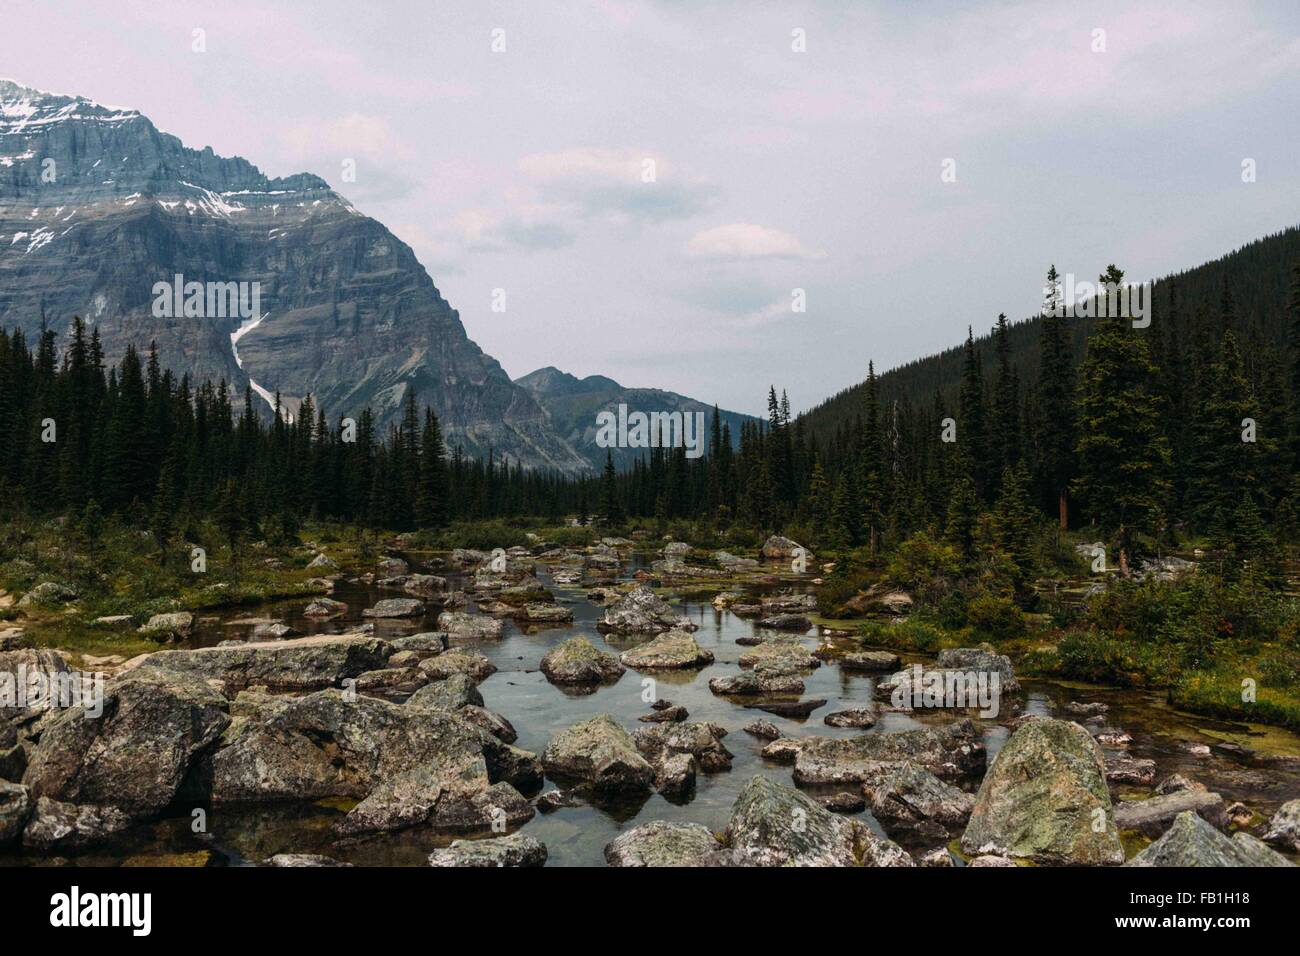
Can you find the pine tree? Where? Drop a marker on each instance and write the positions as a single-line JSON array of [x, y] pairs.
[[611, 507], [1056, 399], [431, 504], [1123, 457]]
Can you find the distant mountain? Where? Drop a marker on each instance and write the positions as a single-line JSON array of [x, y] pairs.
[[573, 403], [1257, 275], [97, 207]]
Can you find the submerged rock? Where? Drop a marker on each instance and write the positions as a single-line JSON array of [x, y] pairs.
[[1043, 799], [598, 753], [672, 650], [763, 729], [856, 717], [1190, 841], [663, 844], [786, 622], [578, 661], [517, 849]]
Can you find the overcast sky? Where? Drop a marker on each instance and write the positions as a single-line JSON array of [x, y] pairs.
[[821, 170]]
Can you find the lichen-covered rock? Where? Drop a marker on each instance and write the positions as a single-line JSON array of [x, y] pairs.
[[753, 684], [458, 662], [870, 661], [306, 663], [453, 693], [1045, 799], [274, 631], [47, 593], [951, 752], [462, 628], [578, 661], [1125, 768], [168, 627], [517, 849], [599, 753], [908, 794], [763, 729], [1284, 827], [786, 622], [487, 720], [641, 611], [325, 608], [324, 562], [134, 757], [780, 656], [773, 825], [1153, 815], [1190, 841], [861, 717], [396, 607], [425, 644], [663, 844], [980, 659], [56, 826], [15, 808], [779, 547], [701, 740], [672, 650]]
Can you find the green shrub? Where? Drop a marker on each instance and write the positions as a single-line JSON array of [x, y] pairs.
[[995, 617]]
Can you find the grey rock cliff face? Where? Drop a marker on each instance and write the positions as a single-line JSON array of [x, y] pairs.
[[97, 205]]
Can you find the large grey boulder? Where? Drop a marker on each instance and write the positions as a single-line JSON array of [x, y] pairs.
[[677, 750], [779, 547], [599, 753], [395, 607], [168, 627], [300, 664], [783, 655], [47, 593], [663, 844], [774, 825], [135, 755], [517, 849], [1284, 828], [755, 684], [578, 661], [641, 611], [1190, 841], [951, 752], [907, 794], [463, 628], [979, 659], [56, 826], [15, 808], [1045, 799], [457, 691], [672, 650], [458, 662]]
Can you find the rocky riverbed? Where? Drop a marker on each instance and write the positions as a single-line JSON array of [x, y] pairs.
[[515, 709]]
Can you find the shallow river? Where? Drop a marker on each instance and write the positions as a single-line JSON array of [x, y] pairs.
[[576, 836]]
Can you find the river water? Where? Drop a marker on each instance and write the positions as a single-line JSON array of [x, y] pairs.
[[576, 836]]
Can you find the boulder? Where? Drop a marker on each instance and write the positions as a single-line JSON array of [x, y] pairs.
[[426, 644], [779, 656], [763, 730], [305, 663], [703, 741], [1284, 827], [537, 613], [641, 611], [676, 549], [794, 709], [1042, 799], [578, 661], [15, 808], [325, 608], [167, 627], [672, 650], [754, 684], [47, 593], [908, 794], [786, 622], [730, 562], [777, 547], [133, 757], [856, 717], [396, 607], [869, 661], [774, 825], [425, 585], [493, 723], [323, 561], [663, 844], [462, 628], [980, 659], [56, 827], [276, 631], [458, 662], [455, 692], [1190, 841], [1152, 816], [951, 752], [1124, 768], [878, 600], [517, 849], [391, 567], [598, 753], [300, 860]]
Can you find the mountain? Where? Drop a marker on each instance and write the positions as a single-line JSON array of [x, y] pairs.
[[1257, 276], [97, 207], [573, 403]]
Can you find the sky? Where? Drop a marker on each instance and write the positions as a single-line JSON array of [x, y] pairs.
[[650, 182]]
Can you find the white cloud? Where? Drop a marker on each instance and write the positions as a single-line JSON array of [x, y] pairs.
[[746, 240]]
